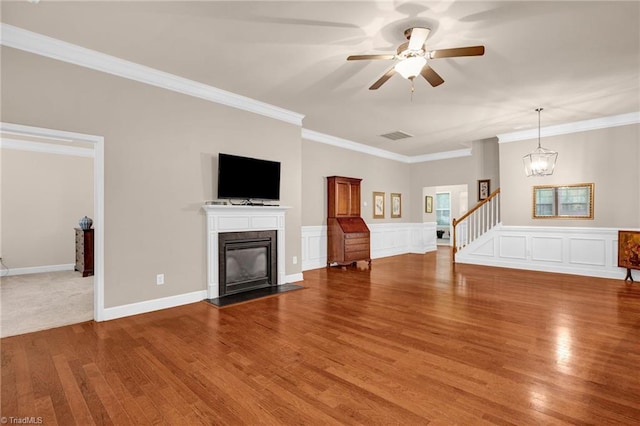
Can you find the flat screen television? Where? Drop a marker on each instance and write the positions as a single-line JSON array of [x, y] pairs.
[[246, 178]]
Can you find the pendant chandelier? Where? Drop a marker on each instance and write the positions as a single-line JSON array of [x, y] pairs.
[[541, 161]]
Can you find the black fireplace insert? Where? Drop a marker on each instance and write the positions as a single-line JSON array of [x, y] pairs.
[[247, 261]]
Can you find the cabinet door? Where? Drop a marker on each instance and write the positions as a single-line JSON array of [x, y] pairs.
[[343, 198]]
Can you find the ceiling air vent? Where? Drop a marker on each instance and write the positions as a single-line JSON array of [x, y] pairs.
[[394, 136]]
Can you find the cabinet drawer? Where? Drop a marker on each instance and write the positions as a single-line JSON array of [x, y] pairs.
[[352, 235], [356, 255], [355, 241], [356, 247]]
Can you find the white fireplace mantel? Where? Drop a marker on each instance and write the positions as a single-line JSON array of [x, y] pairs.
[[227, 218]]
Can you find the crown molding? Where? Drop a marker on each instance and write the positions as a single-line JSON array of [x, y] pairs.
[[49, 47], [355, 146], [42, 45], [312, 135], [466, 152], [575, 127]]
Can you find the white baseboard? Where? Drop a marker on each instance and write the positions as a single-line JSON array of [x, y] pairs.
[[293, 278], [153, 305], [40, 269], [167, 302]]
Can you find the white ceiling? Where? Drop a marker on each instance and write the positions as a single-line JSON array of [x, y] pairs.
[[577, 60]]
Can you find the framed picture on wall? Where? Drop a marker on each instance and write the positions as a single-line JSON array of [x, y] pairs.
[[378, 205], [428, 204], [396, 205], [484, 189]]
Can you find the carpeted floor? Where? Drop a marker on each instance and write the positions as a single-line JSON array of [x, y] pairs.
[[35, 302]]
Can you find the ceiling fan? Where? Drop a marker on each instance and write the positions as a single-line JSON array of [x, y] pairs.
[[412, 58]]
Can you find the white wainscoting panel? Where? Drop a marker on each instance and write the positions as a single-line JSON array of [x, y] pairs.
[[587, 251], [546, 249], [579, 251], [387, 239], [512, 246], [314, 247], [487, 248]]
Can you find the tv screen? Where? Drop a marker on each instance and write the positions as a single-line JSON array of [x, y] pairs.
[[248, 178]]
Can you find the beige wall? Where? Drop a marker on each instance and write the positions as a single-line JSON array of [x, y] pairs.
[[455, 171], [606, 157], [160, 153], [43, 198], [378, 174], [458, 176], [487, 158]]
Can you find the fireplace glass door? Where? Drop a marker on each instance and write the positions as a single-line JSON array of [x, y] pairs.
[[247, 261]]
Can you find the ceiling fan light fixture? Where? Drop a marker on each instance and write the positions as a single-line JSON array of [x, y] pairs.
[[541, 161], [410, 67]]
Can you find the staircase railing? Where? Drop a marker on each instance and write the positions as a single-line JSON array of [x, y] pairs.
[[481, 218]]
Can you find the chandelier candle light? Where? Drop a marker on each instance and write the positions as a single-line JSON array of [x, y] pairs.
[[541, 161]]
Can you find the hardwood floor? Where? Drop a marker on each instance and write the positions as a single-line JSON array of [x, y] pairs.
[[415, 340]]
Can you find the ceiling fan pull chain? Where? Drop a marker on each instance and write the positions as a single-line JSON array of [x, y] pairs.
[[412, 89]]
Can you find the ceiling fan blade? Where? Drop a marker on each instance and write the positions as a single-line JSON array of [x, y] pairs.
[[361, 57], [431, 76], [383, 79], [418, 37], [457, 51]]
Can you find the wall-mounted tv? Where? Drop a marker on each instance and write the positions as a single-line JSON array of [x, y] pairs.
[[246, 178]]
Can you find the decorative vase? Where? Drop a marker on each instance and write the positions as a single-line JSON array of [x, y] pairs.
[[85, 223]]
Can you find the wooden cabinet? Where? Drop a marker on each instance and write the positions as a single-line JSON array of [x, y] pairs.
[[348, 237], [343, 196], [84, 251]]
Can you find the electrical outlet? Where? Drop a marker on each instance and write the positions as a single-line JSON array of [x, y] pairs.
[[159, 279], [295, 260]]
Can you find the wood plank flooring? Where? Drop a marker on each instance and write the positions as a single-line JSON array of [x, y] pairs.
[[413, 341]]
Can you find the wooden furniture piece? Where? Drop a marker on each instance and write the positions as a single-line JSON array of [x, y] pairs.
[[84, 251], [348, 237]]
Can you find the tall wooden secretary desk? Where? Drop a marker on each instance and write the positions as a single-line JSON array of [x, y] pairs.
[[348, 237]]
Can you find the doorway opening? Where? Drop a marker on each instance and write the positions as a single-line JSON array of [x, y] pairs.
[[16, 137], [447, 202]]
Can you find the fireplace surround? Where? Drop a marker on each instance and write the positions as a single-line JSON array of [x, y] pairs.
[[225, 219]]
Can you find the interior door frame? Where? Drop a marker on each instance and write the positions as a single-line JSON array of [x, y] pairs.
[[98, 196]]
